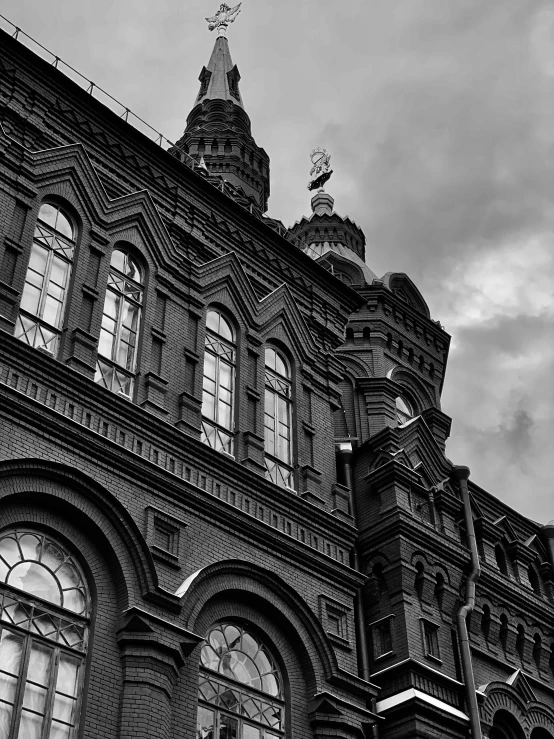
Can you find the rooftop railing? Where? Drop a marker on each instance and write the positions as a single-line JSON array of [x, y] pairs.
[[140, 124]]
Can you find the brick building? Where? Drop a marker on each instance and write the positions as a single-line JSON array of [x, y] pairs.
[[225, 506]]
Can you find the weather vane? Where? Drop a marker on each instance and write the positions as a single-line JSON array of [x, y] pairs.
[[222, 18], [321, 169]]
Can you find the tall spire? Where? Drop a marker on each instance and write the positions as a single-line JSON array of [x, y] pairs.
[[218, 128], [220, 79]]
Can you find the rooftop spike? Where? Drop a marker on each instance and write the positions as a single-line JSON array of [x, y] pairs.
[[330, 239], [221, 20]]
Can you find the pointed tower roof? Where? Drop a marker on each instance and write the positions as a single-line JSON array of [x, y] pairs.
[[220, 79], [218, 132]]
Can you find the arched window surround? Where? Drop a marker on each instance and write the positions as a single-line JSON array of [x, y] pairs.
[[45, 610], [279, 404], [405, 408], [120, 340], [241, 686], [49, 277], [220, 372]]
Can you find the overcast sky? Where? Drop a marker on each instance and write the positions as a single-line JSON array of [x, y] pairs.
[[439, 115]]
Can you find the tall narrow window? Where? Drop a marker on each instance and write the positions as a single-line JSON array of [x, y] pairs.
[[44, 617], [44, 294], [117, 349], [277, 418], [240, 689], [219, 383]]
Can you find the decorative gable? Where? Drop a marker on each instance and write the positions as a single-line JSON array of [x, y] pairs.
[[521, 685]]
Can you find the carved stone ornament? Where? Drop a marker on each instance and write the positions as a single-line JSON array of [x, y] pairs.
[[222, 18], [321, 169]]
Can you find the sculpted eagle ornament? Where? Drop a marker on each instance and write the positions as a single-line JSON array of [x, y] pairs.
[[223, 17]]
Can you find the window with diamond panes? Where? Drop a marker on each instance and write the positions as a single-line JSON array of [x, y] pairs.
[[44, 295], [277, 419], [240, 692], [44, 622], [219, 383], [117, 348]]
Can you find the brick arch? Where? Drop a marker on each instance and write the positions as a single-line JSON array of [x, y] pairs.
[[437, 568], [541, 716], [419, 556], [502, 697], [245, 582], [94, 509], [408, 379], [103, 668], [299, 684], [373, 559]]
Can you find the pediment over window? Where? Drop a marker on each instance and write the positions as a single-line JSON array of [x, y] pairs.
[[504, 525], [521, 685], [71, 167], [278, 309]]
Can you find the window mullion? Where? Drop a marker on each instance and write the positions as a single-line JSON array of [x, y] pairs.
[[117, 337], [51, 695], [20, 690], [45, 283], [217, 384], [276, 423]]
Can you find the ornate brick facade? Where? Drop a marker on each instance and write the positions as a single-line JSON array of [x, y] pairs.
[[325, 549]]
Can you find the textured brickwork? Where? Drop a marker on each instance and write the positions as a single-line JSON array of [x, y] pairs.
[[370, 547]]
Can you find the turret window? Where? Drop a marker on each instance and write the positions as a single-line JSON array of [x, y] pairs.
[[117, 348], [47, 280], [219, 383], [44, 616], [277, 418], [404, 409], [240, 688]]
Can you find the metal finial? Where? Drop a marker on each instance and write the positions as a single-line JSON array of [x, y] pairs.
[[321, 169], [222, 18]]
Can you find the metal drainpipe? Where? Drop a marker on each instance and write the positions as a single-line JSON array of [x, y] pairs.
[[461, 475], [345, 455]]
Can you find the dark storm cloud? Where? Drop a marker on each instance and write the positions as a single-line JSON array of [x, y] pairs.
[[458, 152]]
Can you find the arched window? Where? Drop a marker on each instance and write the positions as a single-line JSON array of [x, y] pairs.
[[534, 580], [501, 559], [439, 589], [343, 277], [117, 348], [504, 631], [47, 280], [404, 409], [505, 726], [277, 418], [486, 621], [540, 733], [537, 650], [419, 582], [240, 692], [219, 383], [520, 641], [44, 622]]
